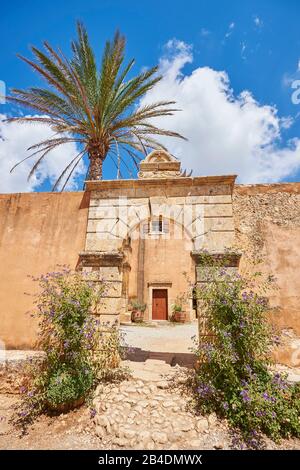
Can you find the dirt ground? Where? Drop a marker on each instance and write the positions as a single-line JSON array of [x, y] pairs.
[[76, 430], [73, 430]]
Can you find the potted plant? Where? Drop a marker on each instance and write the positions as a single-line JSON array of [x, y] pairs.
[[179, 315], [137, 311]]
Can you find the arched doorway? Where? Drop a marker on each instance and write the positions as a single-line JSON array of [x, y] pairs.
[[161, 268]]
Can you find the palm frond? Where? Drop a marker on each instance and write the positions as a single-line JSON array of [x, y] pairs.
[[95, 108]]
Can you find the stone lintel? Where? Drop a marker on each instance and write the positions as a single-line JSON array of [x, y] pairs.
[[159, 284], [182, 182], [100, 258], [230, 258]]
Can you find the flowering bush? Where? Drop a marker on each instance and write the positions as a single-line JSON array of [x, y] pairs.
[[233, 376], [78, 352]]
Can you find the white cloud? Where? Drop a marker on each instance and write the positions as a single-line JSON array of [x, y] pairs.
[[227, 133], [258, 21], [15, 138], [229, 31], [205, 32], [243, 50], [289, 77]]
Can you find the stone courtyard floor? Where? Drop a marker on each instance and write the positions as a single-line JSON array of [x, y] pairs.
[[147, 410], [161, 336], [158, 347]]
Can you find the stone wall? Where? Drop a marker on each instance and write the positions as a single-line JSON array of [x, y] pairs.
[[40, 230], [267, 223]]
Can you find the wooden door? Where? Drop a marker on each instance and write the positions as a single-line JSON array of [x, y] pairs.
[[159, 304]]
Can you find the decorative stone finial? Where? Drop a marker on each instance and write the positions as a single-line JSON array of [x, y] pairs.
[[159, 164]]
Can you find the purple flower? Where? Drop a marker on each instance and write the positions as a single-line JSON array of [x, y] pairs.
[[245, 395], [280, 382], [93, 412], [205, 390], [267, 397]]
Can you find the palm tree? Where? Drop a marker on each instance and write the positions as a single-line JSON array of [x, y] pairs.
[[96, 109]]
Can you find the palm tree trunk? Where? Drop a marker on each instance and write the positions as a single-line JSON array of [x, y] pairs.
[[95, 168], [97, 153]]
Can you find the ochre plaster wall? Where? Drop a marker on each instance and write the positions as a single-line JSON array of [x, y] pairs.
[[38, 231], [267, 224]]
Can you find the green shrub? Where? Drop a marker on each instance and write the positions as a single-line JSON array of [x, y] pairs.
[[67, 385], [78, 352], [233, 376]]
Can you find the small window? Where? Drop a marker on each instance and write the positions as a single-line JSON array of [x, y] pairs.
[[157, 225]]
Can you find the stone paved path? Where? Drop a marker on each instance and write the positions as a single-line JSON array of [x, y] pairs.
[[148, 412]]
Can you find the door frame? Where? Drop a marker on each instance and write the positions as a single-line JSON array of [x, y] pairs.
[[159, 285]]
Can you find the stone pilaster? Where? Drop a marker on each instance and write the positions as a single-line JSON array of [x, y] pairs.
[[108, 269]]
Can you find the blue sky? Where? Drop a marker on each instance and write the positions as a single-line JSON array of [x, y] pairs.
[[257, 44]]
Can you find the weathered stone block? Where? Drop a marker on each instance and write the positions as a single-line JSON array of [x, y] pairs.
[[113, 289], [218, 223], [108, 320], [97, 200], [106, 212], [110, 273], [101, 225], [217, 210], [110, 305], [95, 242], [214, 199], [218, 241], [197, 227]]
